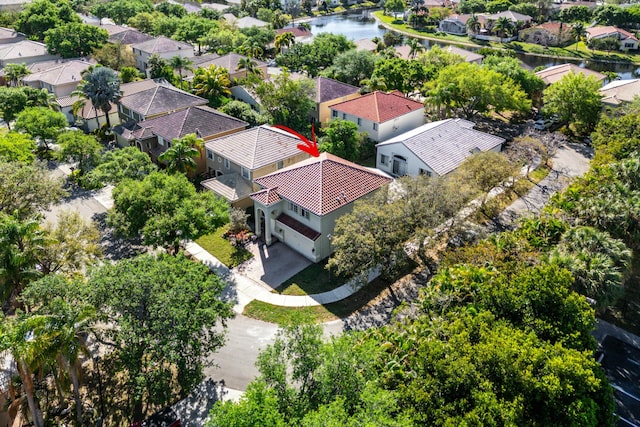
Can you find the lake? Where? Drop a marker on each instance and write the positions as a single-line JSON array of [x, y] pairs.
[[361, 25]]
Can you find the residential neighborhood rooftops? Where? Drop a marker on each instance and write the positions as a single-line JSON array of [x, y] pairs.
[[619, 91], [60, 73], [23, 49], [256, 147], [129, 36], [510, 15], [557, 72], [161, 44], [379, 106], [229, 61], [328, 89], [321, 184], [246, 22], [160, 99], [140, 85], [596, 32], [296, 31], [443, 145], [466, 54], [201, 120]]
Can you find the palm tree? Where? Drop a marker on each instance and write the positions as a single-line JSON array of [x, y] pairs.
[[180, 63], [415, 47], [182, 154], [503, 26], [473, 24], [373, 84], [100, 85], [284, 41], [15, 72], [212, 83], [578, 32], [250, 66]]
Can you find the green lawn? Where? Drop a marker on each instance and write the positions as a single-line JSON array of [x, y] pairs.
[[314, 279], [222, 249]]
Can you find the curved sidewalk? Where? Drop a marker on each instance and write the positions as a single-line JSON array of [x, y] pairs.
[[248, 289]]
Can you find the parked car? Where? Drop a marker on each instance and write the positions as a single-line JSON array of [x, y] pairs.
[[165, 417]]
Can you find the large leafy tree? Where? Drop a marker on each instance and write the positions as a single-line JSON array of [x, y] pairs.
[[511, 68], [287, 101], [243, 111], [342, 139], [575, 100], [616, 138], [101, 86], [352, 66], [17, 147], [122, 10], [400, 74], [42, 15], [165, 210], [41, 123], [164, 311], [80, 148], [26, 189], [12, 102], [469, 89], [213, 83], [114, 55], [75, 39], [315, 56], [117, 165]]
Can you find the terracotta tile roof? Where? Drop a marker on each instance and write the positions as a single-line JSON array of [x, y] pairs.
[[323, 184], [160, 99], [129, 36], [328, 89], [162, 44], [256, 147], [555, 27], [557, 72], [267, 197], [296, 225], [379, 107], [61, 73], [443, 145], [610, 31], [201, 120], [296, 31]]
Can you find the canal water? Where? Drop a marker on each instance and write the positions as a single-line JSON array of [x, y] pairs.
[[361, 25]]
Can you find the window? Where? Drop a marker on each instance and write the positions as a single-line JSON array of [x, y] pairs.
[[334, 113], [293, 207], [344, 116], [384, 159], [359, 121], [209, 155], [304, 213], [298, 210], [375, 126], [246, 174], [168, 144], [280, 164], [425, 172], [227, 164]]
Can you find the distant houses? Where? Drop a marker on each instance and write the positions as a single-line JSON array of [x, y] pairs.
[[555, 73]]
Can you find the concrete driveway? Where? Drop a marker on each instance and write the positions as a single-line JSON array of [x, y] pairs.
[[272, 265]]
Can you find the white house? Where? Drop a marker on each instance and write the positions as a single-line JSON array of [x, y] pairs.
[[620, 91], [627, 40], [381, 115], [434, 149], [299, 205], [162, 46]]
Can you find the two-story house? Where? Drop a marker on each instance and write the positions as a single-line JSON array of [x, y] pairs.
[[434, 149], [381, 115], [60, 78], [299, 205], [329, 92], [235, 160], [164, 47], [155, 136]]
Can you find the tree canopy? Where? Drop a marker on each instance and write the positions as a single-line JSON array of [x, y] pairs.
[[42, 15], [165, 210], [116, 166], [74, 40], [288, 101]]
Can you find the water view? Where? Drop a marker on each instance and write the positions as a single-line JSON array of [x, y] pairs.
[[360, 26]]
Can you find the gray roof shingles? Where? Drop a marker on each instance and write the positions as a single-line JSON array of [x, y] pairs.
[[443, 145], [329, 89]]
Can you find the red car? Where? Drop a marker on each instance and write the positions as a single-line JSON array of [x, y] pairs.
[[163, 418]]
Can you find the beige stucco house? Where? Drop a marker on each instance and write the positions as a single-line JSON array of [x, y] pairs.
[[299, 205], [236, 160], [330, 92]]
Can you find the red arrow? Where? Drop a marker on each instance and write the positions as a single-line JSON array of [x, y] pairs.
[[308, 147]]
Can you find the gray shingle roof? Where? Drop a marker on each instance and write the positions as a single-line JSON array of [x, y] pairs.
[[162, 44], [328, 89], [160, 99], [130, 36], [203, 121], [23, 49], [444, 145], [256, 147]]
